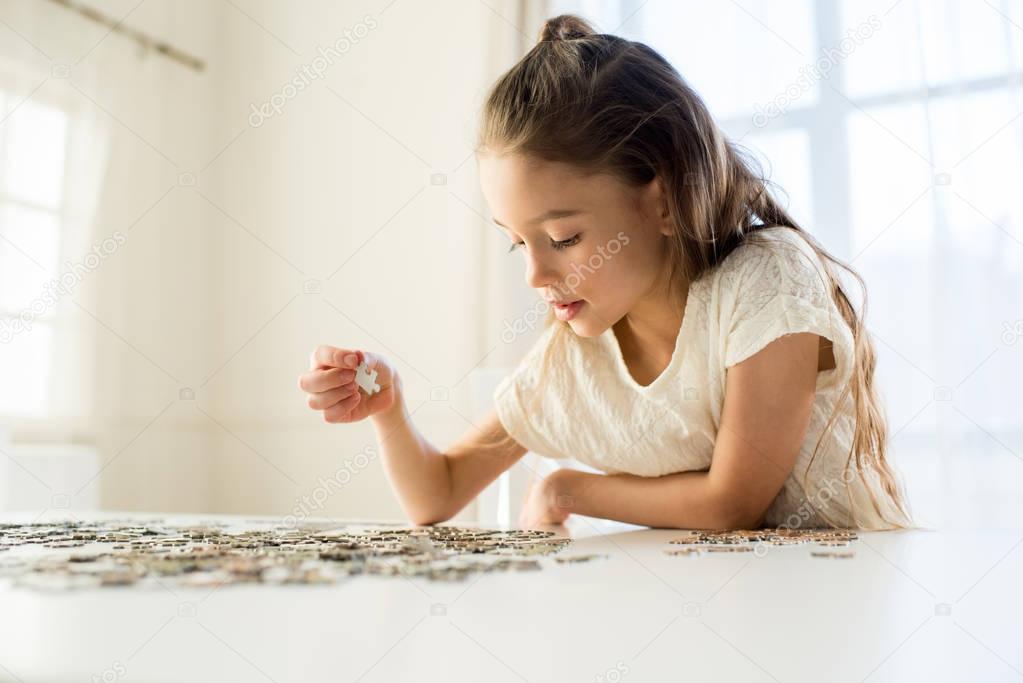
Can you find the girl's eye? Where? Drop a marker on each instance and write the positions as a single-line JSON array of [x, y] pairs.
[[559, 245], [564, 244]]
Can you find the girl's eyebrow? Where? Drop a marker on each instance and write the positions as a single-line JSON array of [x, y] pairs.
[[553, 214]]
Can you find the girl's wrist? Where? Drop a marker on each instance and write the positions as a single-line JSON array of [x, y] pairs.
[[397, 408]]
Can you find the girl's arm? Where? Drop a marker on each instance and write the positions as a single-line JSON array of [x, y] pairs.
[[433, 486], [768, 399]]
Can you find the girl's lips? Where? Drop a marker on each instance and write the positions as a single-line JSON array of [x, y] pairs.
[[566, 312]]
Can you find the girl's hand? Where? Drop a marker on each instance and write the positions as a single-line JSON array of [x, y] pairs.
[[330, 384], [546, 503]]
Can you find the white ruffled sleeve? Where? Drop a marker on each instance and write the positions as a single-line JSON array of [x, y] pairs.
[[777, 288]]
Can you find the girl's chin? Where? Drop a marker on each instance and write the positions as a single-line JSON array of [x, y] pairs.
[[583, 328]]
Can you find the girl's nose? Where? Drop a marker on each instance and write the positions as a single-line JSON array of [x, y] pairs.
[[538, 274]]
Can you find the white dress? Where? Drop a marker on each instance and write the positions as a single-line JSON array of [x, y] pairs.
[[573, 397]]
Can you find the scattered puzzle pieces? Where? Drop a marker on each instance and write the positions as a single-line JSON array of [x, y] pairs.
[[745, 540], [72, 554]]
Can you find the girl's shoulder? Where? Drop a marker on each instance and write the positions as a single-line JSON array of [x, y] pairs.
[[773, 260], [773, 284]]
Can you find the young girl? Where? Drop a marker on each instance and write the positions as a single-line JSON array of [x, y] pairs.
[[701, 352]]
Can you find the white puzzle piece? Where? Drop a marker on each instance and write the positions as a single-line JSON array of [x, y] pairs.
[[366, 379]]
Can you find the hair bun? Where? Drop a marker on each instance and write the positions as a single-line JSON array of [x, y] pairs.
[[566, 27]]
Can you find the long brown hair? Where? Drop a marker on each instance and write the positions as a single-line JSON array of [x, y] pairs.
[[606, 104]]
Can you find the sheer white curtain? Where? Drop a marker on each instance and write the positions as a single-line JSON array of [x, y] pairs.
[[76, 175], [53, 154], [52, 158]]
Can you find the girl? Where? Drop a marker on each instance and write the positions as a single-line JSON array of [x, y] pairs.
[[701, 351]]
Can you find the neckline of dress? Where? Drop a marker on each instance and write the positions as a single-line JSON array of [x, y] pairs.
[[676, 354]]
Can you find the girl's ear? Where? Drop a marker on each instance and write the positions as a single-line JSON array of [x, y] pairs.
[[659, 200]]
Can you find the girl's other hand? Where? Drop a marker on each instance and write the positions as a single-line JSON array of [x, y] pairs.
[[546, 504]]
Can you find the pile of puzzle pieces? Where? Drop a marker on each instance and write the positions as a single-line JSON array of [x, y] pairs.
[[75, 554]]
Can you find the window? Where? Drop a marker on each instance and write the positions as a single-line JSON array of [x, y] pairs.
[[33, 141]]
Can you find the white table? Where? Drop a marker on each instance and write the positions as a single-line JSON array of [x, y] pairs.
[[909, 606]]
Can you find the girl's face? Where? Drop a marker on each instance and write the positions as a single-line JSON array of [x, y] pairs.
[[593, 242]]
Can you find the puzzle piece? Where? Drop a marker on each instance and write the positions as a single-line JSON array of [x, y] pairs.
[[366, 379]]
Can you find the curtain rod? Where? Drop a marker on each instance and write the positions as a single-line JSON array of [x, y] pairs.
[[142, 39]]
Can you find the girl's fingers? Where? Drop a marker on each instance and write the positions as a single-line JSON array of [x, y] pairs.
[[326, 399], [318, 381], [334, 357], [340, 412]]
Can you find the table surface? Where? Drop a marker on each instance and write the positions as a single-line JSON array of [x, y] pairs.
[[918, 605]]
